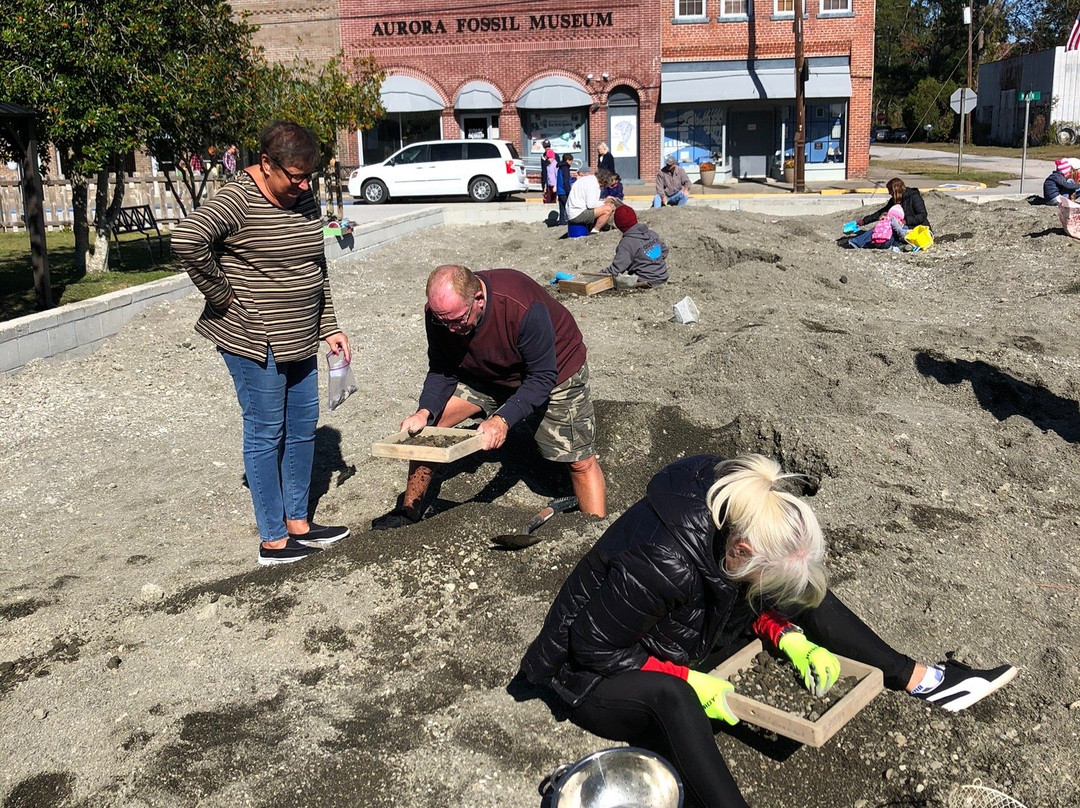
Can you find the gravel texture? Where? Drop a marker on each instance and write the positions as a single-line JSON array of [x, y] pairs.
[[146, 660]]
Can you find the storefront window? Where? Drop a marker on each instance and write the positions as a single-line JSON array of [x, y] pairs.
[[565, 128], [397, 130], [692, 135], [826, 132]]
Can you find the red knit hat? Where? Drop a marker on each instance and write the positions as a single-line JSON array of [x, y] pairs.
[[1063, 165], [625, 218]]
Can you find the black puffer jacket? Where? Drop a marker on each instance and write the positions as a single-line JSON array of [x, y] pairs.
[[914, 210], [652, 586]]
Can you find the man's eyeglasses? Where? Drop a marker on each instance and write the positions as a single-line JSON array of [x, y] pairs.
[[458, 322], [294, 177]]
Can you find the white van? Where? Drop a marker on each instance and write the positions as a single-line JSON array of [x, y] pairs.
[[483, 169]]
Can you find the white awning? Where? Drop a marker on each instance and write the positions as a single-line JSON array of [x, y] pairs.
[[479, 95], [554, 92], [739, 80], [406, 94]]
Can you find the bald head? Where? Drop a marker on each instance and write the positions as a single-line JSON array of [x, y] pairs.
[[453, 280]]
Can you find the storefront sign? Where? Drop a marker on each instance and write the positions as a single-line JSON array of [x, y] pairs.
[[476, 25]]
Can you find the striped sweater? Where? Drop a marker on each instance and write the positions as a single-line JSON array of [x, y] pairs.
[[268, 262]]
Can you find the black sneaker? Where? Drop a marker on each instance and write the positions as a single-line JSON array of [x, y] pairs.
[[321, 534], [292, 551], [399, 517], [963, 686]]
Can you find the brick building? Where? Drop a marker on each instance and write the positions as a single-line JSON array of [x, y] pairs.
[[700, 79]]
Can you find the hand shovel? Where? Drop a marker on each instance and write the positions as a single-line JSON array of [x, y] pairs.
[[525, 537]]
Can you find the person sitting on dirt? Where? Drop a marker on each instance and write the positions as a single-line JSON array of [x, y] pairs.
[[501, 347], [714, 553], [672, 184], [910, 199], [1061, 182], [615, 190], [584, 205], [886, 233], [640, 251]]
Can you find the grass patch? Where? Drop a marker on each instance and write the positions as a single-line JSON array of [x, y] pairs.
[[1049, 152], [939, 171], [17, 296]]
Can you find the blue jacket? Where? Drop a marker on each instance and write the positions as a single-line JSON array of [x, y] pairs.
[[563, 180], [1056, 185]]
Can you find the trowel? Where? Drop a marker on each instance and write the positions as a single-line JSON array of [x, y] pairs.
[[526, 536]]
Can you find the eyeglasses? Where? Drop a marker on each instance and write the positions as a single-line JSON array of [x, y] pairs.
[[459, 321], [294, 177]]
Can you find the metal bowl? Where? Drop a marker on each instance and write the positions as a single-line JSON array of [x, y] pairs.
[[625, 777]]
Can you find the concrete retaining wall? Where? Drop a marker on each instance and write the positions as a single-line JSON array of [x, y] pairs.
[[79, 328]]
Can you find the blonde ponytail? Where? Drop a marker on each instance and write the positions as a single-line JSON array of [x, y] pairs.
[[786, 563]]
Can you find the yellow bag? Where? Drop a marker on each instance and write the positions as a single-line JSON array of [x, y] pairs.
[[921, 237]]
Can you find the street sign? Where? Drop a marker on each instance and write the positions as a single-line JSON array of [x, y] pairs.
[[969, 100], [1024, 97]]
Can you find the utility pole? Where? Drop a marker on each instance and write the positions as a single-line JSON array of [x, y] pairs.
[[799, 186], [969, 13]]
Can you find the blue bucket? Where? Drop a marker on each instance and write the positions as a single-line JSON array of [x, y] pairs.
[[577, 230], [851, 228]]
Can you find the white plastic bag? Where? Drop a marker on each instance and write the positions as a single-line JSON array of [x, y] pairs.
[[342, 382]]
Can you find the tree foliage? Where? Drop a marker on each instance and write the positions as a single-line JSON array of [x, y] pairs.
[[176, 78], [921, 50]]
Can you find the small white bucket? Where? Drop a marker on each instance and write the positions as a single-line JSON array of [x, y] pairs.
[[685, 311]]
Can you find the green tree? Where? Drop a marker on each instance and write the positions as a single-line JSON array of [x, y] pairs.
[[103, 76], [928, 103]]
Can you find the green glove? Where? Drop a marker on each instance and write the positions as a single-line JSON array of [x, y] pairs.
[[819, 667], [712, 693]]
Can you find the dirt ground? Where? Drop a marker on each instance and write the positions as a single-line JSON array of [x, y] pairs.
[[146, 660]]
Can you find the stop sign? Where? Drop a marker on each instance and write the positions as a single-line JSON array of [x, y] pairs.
[[968, 97]]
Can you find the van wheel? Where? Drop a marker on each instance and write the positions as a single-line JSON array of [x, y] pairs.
[[375, 192], [482, 189]]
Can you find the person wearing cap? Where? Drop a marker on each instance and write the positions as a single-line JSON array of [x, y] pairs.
[[672, 184], [1061, 182], [640, 251], [584, 205]]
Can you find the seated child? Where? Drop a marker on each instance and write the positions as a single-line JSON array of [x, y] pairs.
[[896, 219], [615, 191], [640, 251]]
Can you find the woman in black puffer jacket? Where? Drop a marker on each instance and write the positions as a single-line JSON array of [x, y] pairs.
[[677, 583], [910, 199]]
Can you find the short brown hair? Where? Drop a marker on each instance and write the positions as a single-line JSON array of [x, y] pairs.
[[290, 144]]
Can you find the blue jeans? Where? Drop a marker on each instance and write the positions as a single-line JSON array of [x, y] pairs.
[[280, 404], [862, 241], [677, 198]]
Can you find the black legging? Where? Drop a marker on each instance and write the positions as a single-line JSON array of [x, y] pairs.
[[662, 713]]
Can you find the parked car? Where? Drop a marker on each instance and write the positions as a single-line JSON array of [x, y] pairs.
[[483, 169], [899, 135], [882, 134]]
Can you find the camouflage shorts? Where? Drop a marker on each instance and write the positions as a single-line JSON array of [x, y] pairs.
[[567, 425]]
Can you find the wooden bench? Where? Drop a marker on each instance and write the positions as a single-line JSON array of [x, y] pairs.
[[138, 219]]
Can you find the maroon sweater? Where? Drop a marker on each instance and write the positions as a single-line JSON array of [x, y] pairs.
[[526, 343]]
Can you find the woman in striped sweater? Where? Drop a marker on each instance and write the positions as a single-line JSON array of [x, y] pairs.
[[255, 251]]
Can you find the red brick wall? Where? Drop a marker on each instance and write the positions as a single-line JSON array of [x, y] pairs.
[[631, 50], [765, 38], [628, 50]]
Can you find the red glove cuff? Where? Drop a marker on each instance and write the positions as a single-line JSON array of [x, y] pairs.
[[654, 665], [770, 625]]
